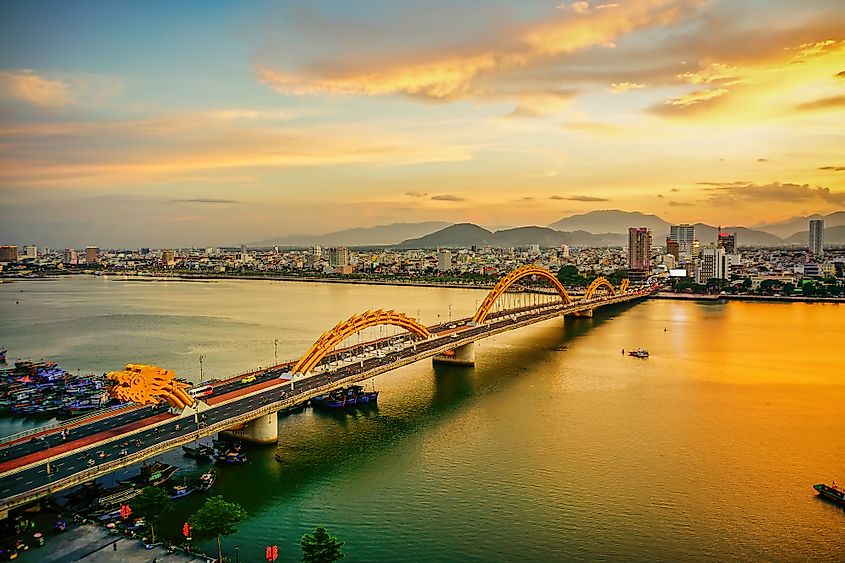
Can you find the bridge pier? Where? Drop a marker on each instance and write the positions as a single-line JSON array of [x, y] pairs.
[[462, 356], [262, 430], [584, 313]]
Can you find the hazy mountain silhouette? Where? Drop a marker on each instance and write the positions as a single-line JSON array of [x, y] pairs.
[[832, 235], [790, 227], [363, 236], [466, 234], [611, 221]]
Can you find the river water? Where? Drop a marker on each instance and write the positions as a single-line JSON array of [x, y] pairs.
[[554, 447]]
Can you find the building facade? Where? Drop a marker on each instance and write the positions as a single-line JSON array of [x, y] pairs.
[[338, 256], [684, 236], [444, 261], [817, 237], [8, 253], [91, 254], [639, 252], [713, 264]]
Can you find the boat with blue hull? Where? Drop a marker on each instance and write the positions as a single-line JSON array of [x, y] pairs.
[[354, 395]]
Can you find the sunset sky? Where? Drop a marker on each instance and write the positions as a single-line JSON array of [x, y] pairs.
[[205, 123]]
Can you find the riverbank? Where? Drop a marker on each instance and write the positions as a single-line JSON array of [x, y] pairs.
[[758, 298]]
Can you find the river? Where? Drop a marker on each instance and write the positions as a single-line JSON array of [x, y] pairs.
[[554, 447]]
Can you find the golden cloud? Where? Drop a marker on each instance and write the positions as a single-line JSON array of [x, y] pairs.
[[31, 87], [454, 75]]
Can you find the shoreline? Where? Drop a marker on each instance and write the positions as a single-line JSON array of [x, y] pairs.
[[402, 283]]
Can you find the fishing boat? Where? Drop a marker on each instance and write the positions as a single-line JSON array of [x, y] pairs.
[[181, 491], [119, 495], [151, 475], [231, 457], [206, 481], [330, 401], [831, 492], [199, 452], [638, 353]]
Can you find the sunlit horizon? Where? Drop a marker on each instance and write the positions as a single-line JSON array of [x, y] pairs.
[[179, 124]]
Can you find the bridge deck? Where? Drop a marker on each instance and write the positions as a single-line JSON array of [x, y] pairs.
[[153, 430]]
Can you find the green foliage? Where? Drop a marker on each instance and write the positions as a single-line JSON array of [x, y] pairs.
[[569, 276], [151, 504], [320, 547], [217, 518]]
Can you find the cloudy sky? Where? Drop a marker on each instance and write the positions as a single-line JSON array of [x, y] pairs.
[[181, 123]]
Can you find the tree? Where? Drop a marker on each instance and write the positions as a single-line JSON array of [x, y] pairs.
[[152, 504], [320, 547], [569, 276], [217, 518]]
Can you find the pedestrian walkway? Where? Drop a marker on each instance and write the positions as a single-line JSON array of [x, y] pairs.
[[92, 544]]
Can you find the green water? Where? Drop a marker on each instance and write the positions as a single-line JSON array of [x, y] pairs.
[[554, 447]]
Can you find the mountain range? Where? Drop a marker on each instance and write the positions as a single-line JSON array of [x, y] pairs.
[[596, 228]]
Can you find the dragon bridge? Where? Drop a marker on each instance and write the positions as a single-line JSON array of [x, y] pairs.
[[597, 284], [354, 324], [510, 279]]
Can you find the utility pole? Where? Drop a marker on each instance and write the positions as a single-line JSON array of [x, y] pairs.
[[201, 359], [276, 351]]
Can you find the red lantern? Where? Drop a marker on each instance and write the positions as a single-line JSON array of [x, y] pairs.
[[268, 553], [275, 552], [186, 530], [125, 511]]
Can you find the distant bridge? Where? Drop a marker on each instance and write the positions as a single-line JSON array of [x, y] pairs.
[[44, 462]]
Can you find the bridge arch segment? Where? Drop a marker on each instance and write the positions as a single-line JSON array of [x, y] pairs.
[[510, 279], [623, 287], [597, 284], [353, 325]]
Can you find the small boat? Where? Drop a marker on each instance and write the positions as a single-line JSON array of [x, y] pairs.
[[638, 353], [181, 491], [231, 457], [3, 356], [206, 481], [120, 495], [151, 475], [278, 458], [831, 492], [199, 452]]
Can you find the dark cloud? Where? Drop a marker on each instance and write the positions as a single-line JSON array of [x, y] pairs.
[[734, 193], [578, 198], [416, 194], [680, 204], [447, 197], [661, 196], [762, 160], [675, 190], [840, 74], [206, 200], [833, 168], [823, 103]]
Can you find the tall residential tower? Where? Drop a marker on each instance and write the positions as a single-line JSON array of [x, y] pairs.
[[817, 237]]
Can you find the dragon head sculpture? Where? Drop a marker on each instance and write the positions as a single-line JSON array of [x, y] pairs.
[[148, 385]]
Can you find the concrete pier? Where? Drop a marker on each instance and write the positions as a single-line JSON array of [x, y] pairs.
[[262, 430], [462, 356]]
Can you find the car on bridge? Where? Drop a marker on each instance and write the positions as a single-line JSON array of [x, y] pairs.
[[248, 379]]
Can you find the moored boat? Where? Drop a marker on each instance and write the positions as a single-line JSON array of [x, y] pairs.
[[151, 475], [831, 492], [638, 353], [199, 452], [181, 491], [206, 481], [231, 457]]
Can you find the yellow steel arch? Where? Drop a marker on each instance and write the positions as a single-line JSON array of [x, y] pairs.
[[597, 283], [510, 279], [353, 325], [623, 287]]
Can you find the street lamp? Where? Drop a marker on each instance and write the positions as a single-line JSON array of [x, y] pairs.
[[276, 351], [201, 359]]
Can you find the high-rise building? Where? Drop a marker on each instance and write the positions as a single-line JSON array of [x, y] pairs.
[[713, 264], [534, 249], [70, 257], [727, 241], [91, 254], [168, 258], [564, 251], [8, 253], [444, 261], [639, 251], [673, 248], [30, 251], [338, 256], [817, 237], [684, 235]]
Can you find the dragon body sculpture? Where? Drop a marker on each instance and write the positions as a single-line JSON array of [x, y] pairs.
[[149, 385]]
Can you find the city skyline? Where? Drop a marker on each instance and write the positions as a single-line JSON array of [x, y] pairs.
[[198, 124]]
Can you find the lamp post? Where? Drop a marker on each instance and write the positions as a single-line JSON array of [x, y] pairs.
[[201, 359], [276, 351]]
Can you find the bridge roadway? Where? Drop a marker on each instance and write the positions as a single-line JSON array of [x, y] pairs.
[[100, 445]]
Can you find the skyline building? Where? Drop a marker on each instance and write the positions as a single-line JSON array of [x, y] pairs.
[[444, 261], [817, 237], [70, 256], [8, 253], [91, 254], [639, 252], [713, 264], [726, 241], [338, 256], [684, 235]]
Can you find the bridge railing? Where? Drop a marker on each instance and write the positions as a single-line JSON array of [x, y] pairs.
[[57, 424]]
